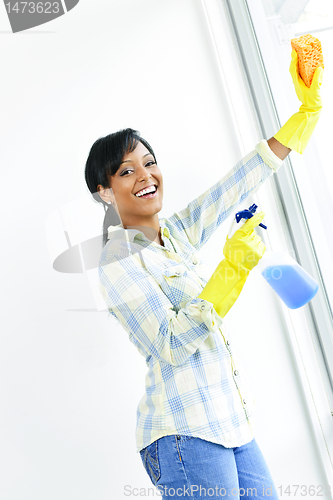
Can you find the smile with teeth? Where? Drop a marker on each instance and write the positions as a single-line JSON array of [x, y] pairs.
[[150, 189]]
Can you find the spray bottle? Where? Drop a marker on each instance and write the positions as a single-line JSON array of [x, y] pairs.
[[288, 279]]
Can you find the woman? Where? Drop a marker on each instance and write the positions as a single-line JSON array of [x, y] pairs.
[[195, 429]]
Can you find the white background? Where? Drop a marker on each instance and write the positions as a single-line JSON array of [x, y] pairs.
[[70, 380]]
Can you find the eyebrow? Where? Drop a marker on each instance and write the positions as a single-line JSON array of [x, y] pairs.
[[129, 161]]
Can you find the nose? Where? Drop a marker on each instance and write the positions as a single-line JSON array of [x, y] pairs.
[[143, 174]]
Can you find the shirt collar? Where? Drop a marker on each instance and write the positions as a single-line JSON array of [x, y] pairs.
[[131, 233]]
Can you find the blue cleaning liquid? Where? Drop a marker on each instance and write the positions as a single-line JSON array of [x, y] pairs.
[[292, 284]]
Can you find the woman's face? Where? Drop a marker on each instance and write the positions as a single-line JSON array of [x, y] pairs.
[[138, 170]]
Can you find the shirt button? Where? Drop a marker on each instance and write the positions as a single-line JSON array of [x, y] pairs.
[[228, 343], [236, 373], [202, 307], [177, 272], [244, 401], [195, 262]]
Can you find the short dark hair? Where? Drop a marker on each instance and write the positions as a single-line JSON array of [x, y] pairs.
[[104, 159]]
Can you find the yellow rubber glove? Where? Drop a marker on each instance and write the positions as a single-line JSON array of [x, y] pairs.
[[295, 134], [242, 253]]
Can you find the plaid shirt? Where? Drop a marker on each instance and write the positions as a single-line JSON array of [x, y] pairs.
[[195, 384]]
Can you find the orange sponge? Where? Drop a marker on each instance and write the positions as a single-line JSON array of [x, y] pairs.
[[310, 56]]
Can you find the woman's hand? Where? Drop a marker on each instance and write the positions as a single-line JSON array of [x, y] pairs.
[[309, 97], [296, 133], [243, 252], [245, 248]]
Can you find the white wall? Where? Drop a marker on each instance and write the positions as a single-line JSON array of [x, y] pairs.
[[70, 379]]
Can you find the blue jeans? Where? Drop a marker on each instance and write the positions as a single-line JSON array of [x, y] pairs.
[[183, 466]]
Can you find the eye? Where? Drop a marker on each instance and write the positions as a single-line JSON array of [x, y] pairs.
[[124, 172]]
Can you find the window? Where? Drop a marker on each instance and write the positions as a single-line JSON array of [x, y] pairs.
[[264, 29]]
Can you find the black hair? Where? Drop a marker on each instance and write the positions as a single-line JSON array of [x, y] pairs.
[[104, 159]]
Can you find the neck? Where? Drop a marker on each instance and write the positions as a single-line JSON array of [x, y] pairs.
[[150, 227], [150, 232]]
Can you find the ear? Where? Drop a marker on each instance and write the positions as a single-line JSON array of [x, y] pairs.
[[106, 194]]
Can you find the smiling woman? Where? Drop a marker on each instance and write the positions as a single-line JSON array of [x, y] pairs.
[[197, 401]]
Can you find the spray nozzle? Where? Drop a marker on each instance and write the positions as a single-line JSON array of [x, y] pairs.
[[247, 214]]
